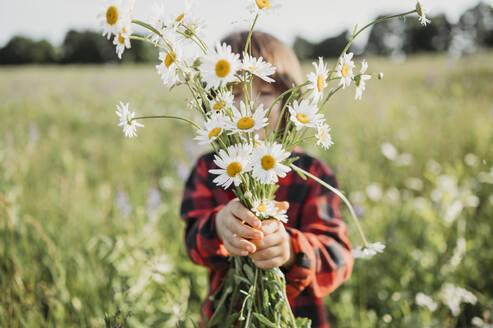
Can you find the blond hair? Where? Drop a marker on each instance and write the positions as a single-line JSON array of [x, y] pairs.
[[273, 51]]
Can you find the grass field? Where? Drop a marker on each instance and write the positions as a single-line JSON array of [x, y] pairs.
[[89, 223]]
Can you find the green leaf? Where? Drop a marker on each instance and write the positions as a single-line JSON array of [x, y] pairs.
[[249, 272], [260, 317]]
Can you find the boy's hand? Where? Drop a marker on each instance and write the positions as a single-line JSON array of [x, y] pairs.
[[275, 249], [233, 232]]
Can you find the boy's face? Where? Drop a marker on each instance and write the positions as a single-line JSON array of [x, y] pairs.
[[262, 93]]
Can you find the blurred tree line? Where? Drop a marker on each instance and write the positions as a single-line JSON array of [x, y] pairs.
[[390, 38], [406, 36], [78, 47]]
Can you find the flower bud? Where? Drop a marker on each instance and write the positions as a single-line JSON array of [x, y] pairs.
[[380, 76]]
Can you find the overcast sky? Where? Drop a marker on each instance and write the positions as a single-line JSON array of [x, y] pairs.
[[312, 19]]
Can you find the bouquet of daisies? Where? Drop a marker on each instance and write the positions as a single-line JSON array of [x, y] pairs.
[[253, 166]]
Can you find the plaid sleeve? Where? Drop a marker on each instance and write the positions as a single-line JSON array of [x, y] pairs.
[[198, 210], [322, 248]]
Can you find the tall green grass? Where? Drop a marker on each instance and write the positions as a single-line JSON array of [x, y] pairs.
[[89, 224]]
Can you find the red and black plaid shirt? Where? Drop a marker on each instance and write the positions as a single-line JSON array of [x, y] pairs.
[[323, 250]]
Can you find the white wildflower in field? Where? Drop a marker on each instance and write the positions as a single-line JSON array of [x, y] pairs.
[[263, 208], [220, 66], [258, 67], [263, 6], [323, 136], [422, 11], [112, 14], [345, 69], [453, 296], [422, 299], [232, 162], [244, 121], [304, 114], [388, 150], [360, 81], [127, 120], [214, 127], [371, 250], [374, 192], [122, 39], [222, 100], [266, 163], [318, 80]]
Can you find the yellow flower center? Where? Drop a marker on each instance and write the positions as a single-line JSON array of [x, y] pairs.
[[320, 83], [261, 207], [345, 70], [214, 133], [263, 4], [219, 105], [321, 135], [245, 123], [252, 68], [233, 169], [170, 59], [302, 118], [121, 39], [112, 15], [268, 162], [223, 67], [179, 18]]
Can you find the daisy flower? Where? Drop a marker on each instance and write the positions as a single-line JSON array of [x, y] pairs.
[[345, 69], [127, 120], [363, 252], [232, 162], [222, 100], [263, 208], [220, 66], [258, 67], [422, 11], [112, 14], [263, 6], [168, 69], [360, 79], [323, 136], [213, 128], [318, 79], [122, 39], [158, 20], [266, 163], [280, 212], [244, 121], [304, 114]]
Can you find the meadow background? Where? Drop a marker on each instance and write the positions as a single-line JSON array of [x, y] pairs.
[[90, 234]]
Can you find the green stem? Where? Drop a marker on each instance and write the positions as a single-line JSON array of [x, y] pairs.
[[168, 116], [331, 93], [373, 23], [135, 37], [147, 26], [250, 34], [338, 193]]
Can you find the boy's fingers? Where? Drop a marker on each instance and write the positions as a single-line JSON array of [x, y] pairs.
[[267, 253], [282, 206], [245, 231], [241, 243], [270, 226], [242, 213], [234, 250], [268, 241]]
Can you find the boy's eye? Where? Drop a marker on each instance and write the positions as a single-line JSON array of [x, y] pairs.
[[265, 93]]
